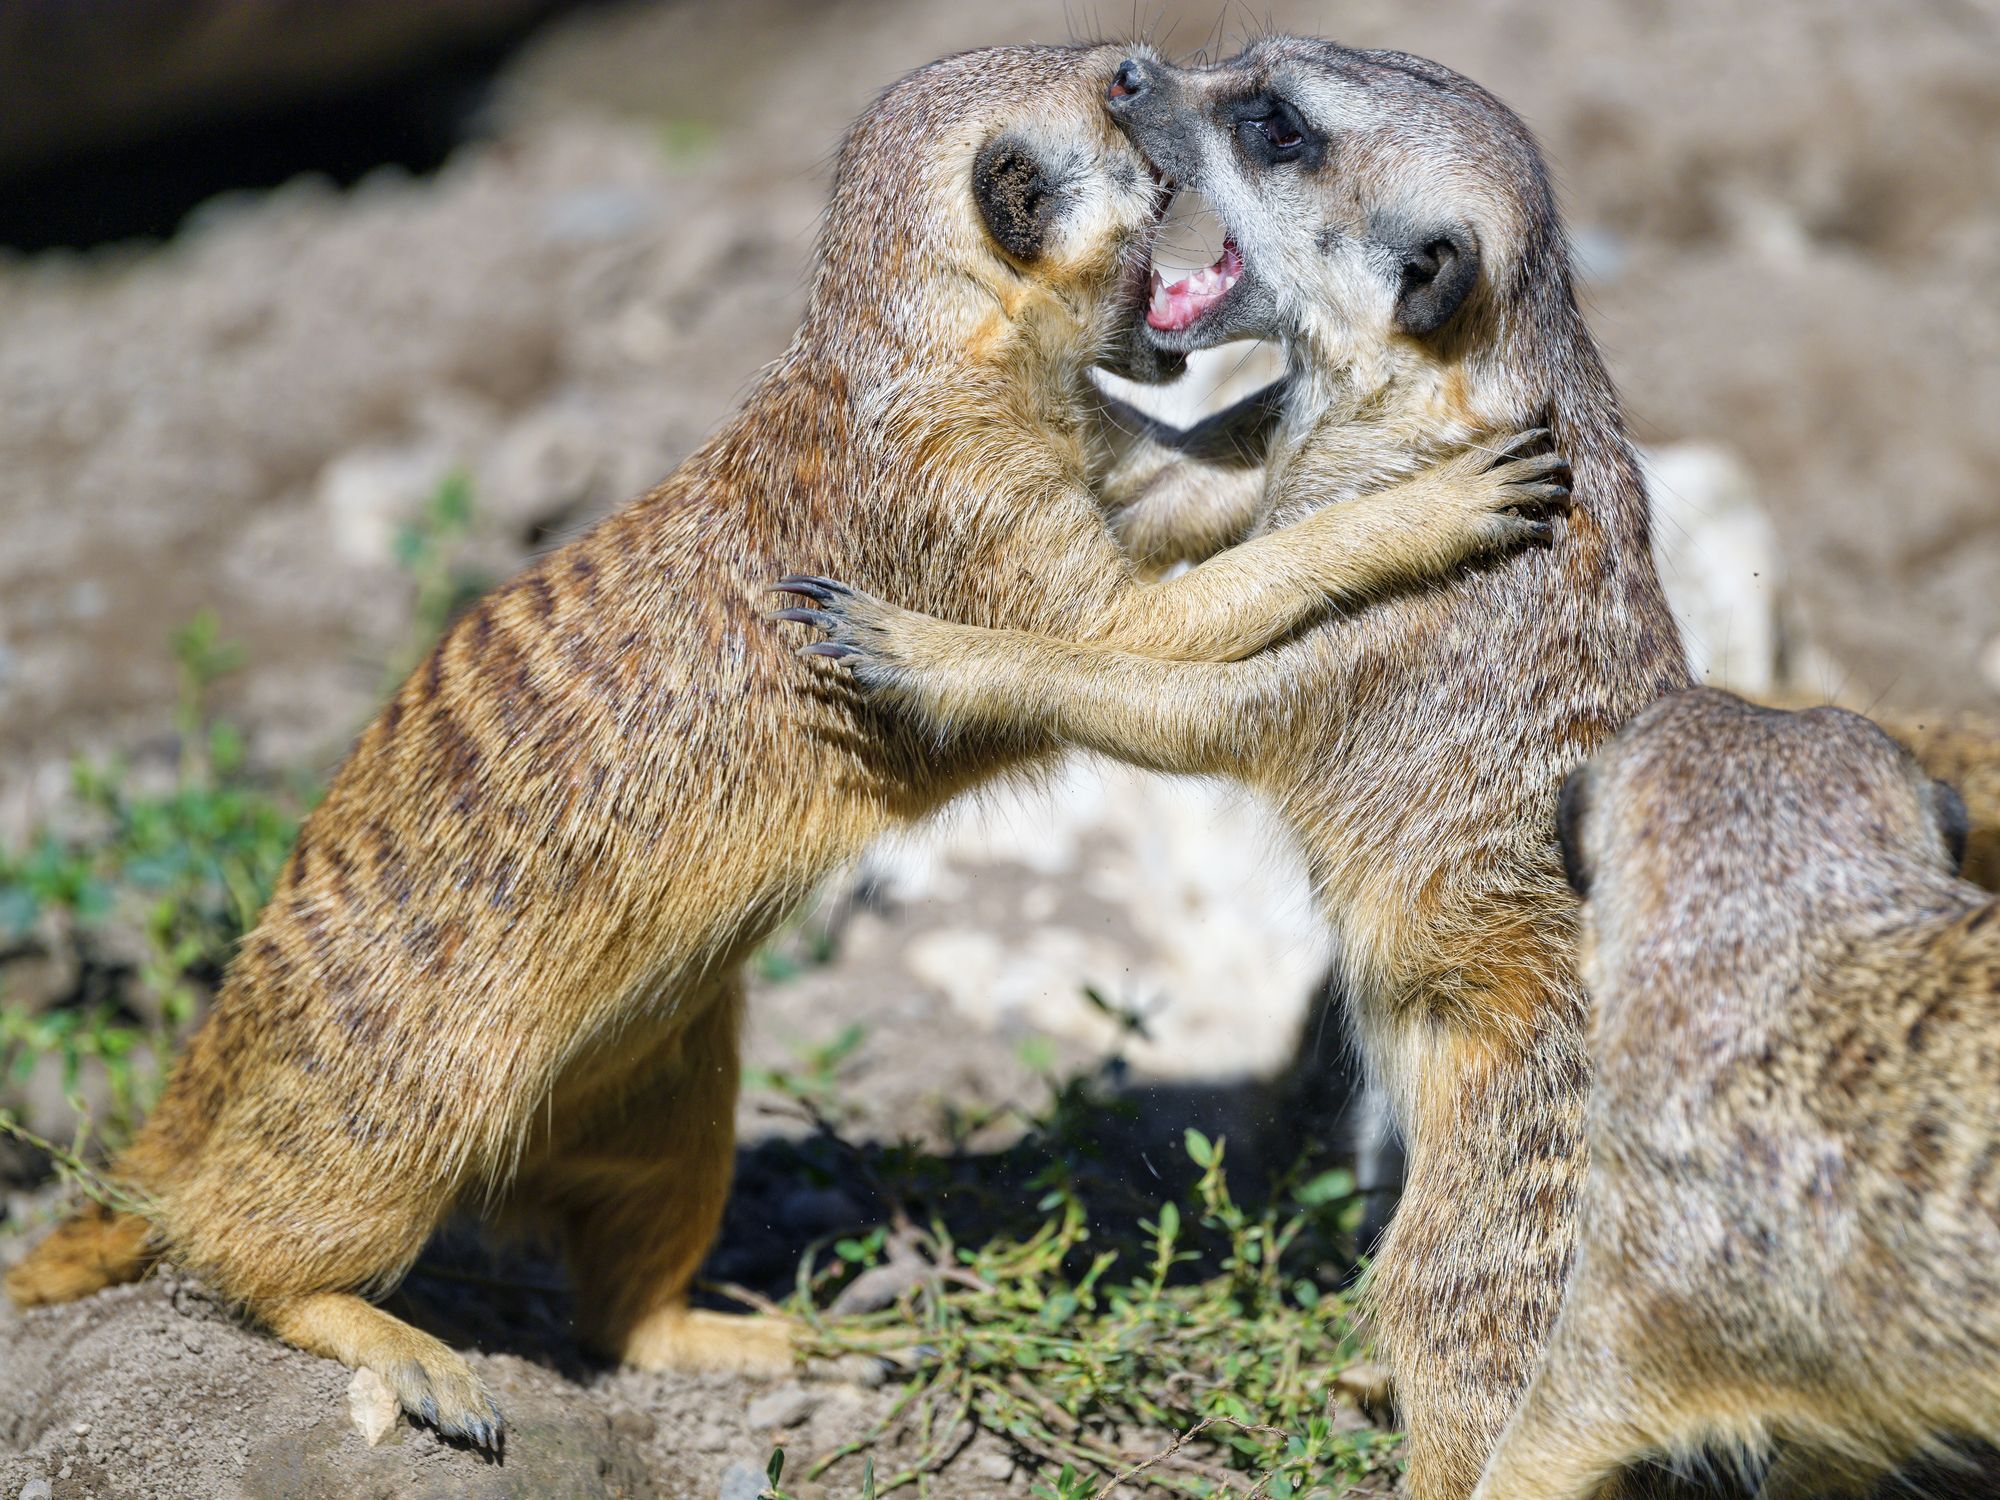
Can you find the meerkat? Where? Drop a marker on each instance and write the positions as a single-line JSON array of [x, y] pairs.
[[1393, 223], [1790, 1233], [499, 971]]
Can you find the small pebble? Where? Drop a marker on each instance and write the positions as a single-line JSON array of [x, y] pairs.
[[37, 1489], [740, 1481], [787, 1406], [82, 1429], [371, 1406]]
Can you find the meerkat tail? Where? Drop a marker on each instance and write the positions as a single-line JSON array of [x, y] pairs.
[[97, 1248]]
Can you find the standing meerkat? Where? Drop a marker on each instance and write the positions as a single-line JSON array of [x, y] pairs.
[[1393, 223], [500, 969], [1790, 1235]]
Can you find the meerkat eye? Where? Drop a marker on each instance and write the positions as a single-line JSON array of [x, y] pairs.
[[1281, 135], [1271, 131]]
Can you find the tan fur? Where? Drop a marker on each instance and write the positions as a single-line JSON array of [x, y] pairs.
[[498, 971], [1790, 1234], [1415, 749], [1961, 748]]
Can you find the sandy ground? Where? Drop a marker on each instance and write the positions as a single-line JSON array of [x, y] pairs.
[[1790, 218]]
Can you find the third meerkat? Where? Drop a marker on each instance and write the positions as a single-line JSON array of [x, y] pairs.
[[1394, 224], [1790, 1236], [499, 971]]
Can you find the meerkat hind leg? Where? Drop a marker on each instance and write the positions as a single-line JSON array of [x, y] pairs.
[[642, 1204], [431, 1380]]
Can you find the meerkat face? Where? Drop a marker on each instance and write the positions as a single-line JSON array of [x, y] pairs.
[[1370, 198], [1710, 816], [994, 184]]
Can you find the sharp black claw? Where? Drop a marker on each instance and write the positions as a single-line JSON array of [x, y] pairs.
[[812, 586], [1548, 494], [807, 617], [1520, 442], [833, 649], [805, 587]]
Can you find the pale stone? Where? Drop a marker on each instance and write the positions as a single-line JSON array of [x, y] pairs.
[[1719, 561], [372, 1405]]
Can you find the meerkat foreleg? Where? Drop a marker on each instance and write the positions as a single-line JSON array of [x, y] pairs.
[[1570, 1439], [1477, 503], [1228, 609], [1177, 716]]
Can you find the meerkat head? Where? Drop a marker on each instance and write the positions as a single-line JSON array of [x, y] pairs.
[[985, 205], [1714, 826], [1379, 208]]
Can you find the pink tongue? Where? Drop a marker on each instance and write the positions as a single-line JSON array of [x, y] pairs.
[[1178, 306]]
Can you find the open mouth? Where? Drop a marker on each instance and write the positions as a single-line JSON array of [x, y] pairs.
[[1179, 305]]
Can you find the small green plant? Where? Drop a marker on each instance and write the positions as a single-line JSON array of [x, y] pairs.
[[684, 142], [807, 939], [144, 892], [1202, 1326], [141, 896], [430, 550], [814, 1081]]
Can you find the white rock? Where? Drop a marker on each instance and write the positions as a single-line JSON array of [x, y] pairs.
[[367, 495], [1222, 943], [1989, 663], [1718, 557], [36, 1489], [372, 1405]]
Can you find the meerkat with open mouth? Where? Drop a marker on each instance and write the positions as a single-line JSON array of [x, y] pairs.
[[1393, 223]]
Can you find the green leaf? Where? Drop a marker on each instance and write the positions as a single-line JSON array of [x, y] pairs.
[[1200, 1148], [1328, 1187]]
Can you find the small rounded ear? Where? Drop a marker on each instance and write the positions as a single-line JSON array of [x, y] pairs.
[[1013, 196], [1572, 808], [1439, 273], [1953, 820]]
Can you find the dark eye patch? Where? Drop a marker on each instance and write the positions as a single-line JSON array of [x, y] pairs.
[[1270, 131], [1572, 807]]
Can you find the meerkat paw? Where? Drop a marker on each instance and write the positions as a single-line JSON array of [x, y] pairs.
[[431, 1381], [688, 1338], [862, 633], [1512, 490]]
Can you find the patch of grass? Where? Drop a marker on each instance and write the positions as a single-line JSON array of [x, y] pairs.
[[1187, 1352], [140, 895], [140, 899], [814, 1081]]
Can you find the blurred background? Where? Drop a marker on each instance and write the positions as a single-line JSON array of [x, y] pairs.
[[316, 318]]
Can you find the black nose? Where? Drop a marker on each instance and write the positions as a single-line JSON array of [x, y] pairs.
[[1128, 82]]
